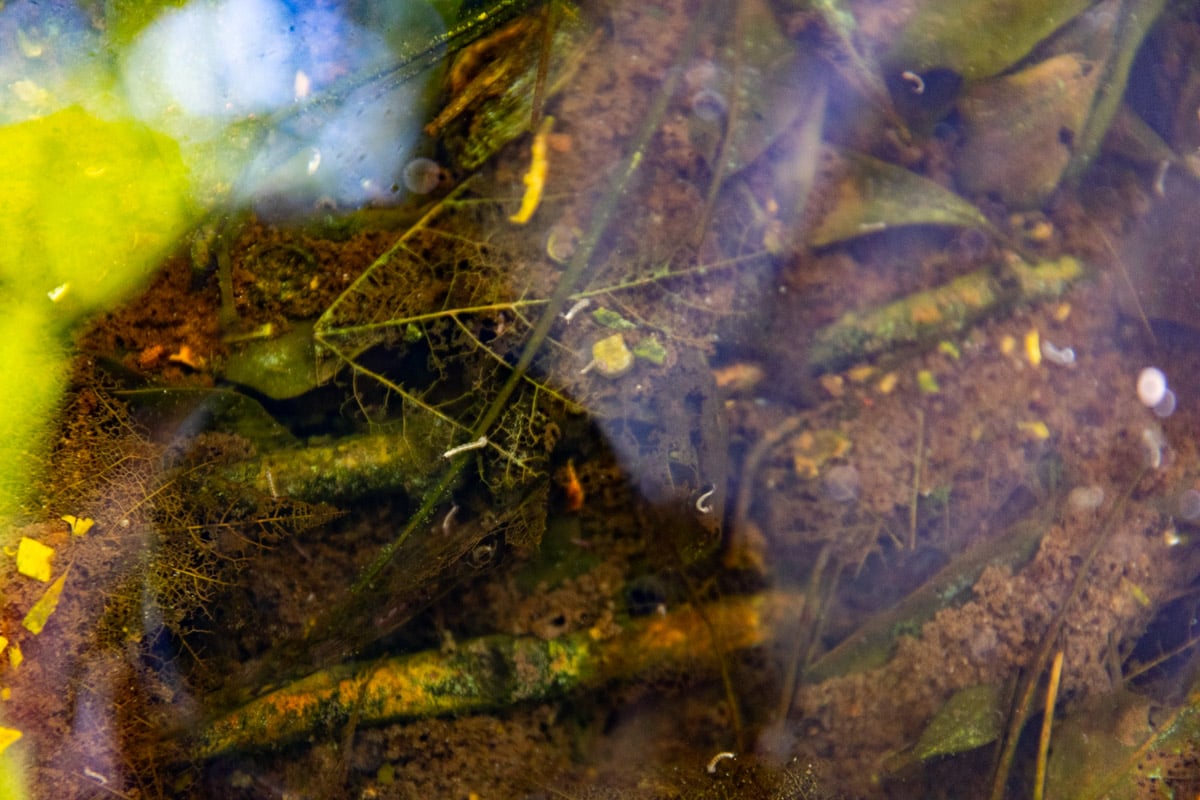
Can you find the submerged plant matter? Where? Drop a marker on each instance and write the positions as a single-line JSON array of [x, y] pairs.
[[771, 286]]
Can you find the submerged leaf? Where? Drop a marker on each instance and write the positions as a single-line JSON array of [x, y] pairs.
[[1136, 17], [873, 196], [978, 38], [280, 368], [1019, 129], [971, 718]]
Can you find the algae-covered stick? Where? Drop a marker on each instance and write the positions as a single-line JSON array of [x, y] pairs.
[[939, 312], [347, 469], [496, 672]]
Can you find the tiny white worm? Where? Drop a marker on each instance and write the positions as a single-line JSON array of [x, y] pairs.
[[711, 769], [917, 82], [462, 448], [96, 776], [575, 309], [448, 520]]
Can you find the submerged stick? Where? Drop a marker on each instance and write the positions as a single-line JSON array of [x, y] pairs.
[[1039, 782], [495, 672], [937, 313]]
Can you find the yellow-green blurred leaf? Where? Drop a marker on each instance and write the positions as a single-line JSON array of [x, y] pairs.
[[88, 204], [7, 737], [89, 208], [33, 559]]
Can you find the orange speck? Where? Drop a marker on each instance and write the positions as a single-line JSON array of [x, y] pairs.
[[151, 356], [573, 488], [187, 357], [926, 314]]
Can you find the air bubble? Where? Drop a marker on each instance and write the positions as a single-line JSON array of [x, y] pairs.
[[1165, 407], [842, 483], [1151, 386], [709, 105], [1189, 505], [422, 175]]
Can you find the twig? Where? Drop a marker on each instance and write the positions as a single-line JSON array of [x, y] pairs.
[[495, 672], [1039, 781], [918, 460]]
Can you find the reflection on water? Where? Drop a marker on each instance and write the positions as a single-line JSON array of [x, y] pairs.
[[759, 400]]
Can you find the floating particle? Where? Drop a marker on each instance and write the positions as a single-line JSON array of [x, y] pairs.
[[1035, 430], [1165, 407], [1189, 505], [1151, 386], [1153, 445], [1064, 357], [842, 483], [1033, 348], [422, 175], [1086, 498], [927, 383]]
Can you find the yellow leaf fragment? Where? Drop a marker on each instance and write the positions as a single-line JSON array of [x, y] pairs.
[[15, 656], [927, 383], [33, 559], [7, 737], [36, 619], [950, 349], [1035, 429], [79, 525], [1033, 347], [3, 643], [535, 178]]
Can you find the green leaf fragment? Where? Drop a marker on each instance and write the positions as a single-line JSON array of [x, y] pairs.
[[611, 319], [651, 350]]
